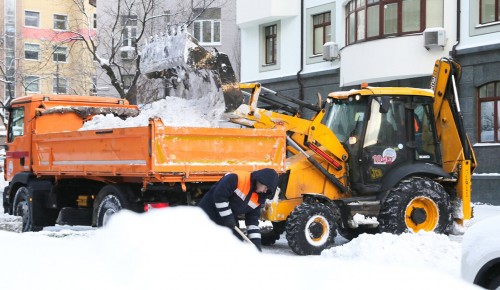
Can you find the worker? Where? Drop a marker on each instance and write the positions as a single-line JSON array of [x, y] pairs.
[[240, 193]]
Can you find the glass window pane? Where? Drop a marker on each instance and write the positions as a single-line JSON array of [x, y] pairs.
[[31, 18], [487, 122], [498, 89], [391, 18], [328, 33], [207, 31], [487, 11], [434, 13], [361, 25], [352, 28], [490, 90], [318, 40], [269, 50], [373, 25], [411, 15], [197, 31], [217, 31]]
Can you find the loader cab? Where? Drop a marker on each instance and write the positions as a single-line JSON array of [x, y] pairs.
[[18, 140], [383, 133]]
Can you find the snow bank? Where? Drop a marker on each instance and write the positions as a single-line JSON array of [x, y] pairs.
[[180, 248]]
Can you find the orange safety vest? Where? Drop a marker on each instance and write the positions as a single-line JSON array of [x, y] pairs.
[[243, 189]]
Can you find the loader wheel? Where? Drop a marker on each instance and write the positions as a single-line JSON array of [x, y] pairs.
[[416, 204], [271, 235], [110, 200], [311, 228]]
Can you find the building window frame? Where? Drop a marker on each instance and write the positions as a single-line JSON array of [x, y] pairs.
[[207, 31], [129, 30], [29, 52], [321, 23], [392, 18], [485, 5], [32, 18], [271, 36], [32, 84], [60, 88], [60, 22], [60, 54], [314, 54], [269, 43], [94, 20], [489, 112]]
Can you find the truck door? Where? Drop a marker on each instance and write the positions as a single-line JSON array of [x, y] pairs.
[[18, 152]]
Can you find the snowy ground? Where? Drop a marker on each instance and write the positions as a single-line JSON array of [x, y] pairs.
[[179, 248]]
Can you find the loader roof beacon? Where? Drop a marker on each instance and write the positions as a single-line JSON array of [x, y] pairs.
[[374, 159]]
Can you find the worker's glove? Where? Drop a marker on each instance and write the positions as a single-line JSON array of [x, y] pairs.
[[229, 221]]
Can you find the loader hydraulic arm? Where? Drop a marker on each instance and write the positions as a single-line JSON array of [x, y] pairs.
[[317, 137]]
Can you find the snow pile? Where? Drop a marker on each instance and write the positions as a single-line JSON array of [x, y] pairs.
[[173, 111], [180, 248], [421, 250]]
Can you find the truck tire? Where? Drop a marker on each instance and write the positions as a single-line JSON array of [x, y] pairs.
[[311, 228], [271, 235], [110, 200], [21, 207], [416, 204]]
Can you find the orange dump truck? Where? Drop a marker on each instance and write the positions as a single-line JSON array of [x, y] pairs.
[[57, 172]]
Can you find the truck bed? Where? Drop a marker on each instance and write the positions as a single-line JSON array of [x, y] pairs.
[[158, 152]]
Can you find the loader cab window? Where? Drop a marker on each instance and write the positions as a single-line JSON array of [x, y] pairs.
[[16, 124], [426, 146], [345, 117], [385, 140]]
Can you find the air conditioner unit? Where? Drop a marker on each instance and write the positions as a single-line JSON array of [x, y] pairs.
[[330, 51], [127, 54], [434, 37]]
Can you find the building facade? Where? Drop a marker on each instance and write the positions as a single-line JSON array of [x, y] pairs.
[[214, 26], [305, 47], [41, 51]]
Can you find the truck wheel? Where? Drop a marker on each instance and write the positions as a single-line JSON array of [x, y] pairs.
[[110, 200], [22, 208], [416, 204], [271, 235], [311, 228]]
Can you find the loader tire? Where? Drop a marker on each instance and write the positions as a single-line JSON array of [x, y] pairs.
[[416, 204], [110, 200], [271, 235], [22, 208], [311, 228]]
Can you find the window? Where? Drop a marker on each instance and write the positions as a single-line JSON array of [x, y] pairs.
[[31, 51], [32, 84], [489, 116], [32, 18], [269, 46], [270, 43], [207, 26], [94, 21], [60, 54], [322, 32], [373, 19], [60, 22], [93, 90], [129, 32], [16, 123], [60, 85], [489, 11]]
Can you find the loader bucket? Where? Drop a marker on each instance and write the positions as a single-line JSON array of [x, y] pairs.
[[191, 71]]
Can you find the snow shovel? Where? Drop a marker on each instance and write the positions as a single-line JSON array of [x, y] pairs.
[[242, 234], [183, 68]]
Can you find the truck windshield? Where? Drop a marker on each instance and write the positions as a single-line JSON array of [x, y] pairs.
[[345, 117]]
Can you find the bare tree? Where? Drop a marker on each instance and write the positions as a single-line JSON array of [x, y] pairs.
[[123, 25]]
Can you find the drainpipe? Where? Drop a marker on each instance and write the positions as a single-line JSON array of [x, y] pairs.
[[299, 77], [454, 49]]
